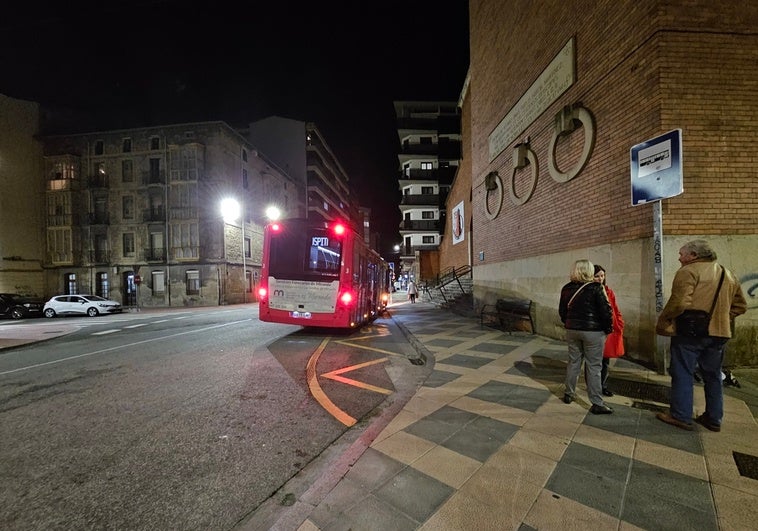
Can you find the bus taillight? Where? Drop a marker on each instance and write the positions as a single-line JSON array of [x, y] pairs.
[[275, 227], [339, 229], [262, 293], [346, 298]]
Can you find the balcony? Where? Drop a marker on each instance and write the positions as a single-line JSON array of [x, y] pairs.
[[409, 251], [183, 212], [156, 254], [421, 199], [154, 214], [153, 178], [61, 220], [449, 124], [98, 218], [62, 185], [420, 224], [442, 175], [446, 149], [99, 257], [97, 181]]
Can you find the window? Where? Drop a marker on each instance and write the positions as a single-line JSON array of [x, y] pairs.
[[247, 248], [426, 166], [155, 171], [59, 244], [127, 207], [71, 285], [193, 282], [103, 286], [425, 140], [126, 146], [427, 214], [184, 163], [99, 147], [427, 190], [128, 244], [127, 171], [159, 282], [155, 143], [427, 239], [244, 179], [100, 169], [185, 240]]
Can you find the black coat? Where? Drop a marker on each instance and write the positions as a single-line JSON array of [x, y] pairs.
[[590, 309]]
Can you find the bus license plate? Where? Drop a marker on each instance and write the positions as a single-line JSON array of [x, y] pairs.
[[301, 315]]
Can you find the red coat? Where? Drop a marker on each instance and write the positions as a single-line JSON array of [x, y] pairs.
[[614, 343]]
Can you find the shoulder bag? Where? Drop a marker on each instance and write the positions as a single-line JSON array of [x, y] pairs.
[[694, 323]]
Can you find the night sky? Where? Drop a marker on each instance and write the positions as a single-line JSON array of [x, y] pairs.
[[338, 64]]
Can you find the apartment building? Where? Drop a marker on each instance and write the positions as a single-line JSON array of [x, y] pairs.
[[301, 150], [135, 215], [430, 148]]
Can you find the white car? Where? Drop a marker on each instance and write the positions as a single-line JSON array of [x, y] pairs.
[[91, 305]]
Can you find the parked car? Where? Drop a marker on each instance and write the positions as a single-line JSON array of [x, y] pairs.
[[18, 306], [91, 305]]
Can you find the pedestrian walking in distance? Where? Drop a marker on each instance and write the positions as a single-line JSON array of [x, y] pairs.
[[412, 291]]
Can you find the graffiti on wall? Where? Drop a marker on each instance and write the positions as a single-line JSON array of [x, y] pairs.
[[749, 285]]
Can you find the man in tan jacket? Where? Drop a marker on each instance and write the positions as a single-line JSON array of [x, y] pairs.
[[694, 288]]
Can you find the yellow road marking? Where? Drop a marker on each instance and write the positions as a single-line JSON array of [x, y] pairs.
[[318, 393], [335, 375], [364, 347]]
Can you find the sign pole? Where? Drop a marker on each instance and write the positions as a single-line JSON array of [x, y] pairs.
[[661, 357]]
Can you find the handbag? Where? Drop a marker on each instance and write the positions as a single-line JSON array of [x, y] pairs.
[[694, 323]]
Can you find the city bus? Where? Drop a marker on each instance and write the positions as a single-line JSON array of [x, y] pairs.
[[320, 274]]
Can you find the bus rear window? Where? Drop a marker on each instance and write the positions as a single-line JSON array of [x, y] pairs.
[[303, 255]]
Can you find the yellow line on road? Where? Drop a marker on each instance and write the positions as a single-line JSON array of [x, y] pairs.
[[335, 375], [364, 347], [318, 393]]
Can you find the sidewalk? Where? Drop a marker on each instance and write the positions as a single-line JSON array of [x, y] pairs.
[[487, 443]]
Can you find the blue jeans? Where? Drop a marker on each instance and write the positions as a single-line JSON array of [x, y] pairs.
[[686, 354], [585, 345]]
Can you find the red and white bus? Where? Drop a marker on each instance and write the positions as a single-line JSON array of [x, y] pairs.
[[320, 274]]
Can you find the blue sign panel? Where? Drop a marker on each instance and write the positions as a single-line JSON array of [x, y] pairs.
[[657, 168]]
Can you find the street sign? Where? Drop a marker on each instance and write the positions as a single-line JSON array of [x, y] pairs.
[[656, 168], [137, 279]]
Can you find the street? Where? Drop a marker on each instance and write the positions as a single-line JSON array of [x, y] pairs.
[[178, 419]]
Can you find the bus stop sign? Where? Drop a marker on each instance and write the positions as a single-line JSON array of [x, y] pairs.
[[656, 168]]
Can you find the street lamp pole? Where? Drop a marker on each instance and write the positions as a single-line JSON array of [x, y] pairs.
[[244, 265], [231, 210]]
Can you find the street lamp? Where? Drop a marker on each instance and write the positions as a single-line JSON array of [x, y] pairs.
[[273, 213], [231, 210]]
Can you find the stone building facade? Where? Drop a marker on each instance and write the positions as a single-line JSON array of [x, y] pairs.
[[559, 93], [135, 215]]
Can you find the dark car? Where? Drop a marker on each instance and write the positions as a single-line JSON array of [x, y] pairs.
[[18, 306]]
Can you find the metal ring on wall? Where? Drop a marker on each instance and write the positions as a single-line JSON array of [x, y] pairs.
[[499, 202], [584, 116], [532, 158]]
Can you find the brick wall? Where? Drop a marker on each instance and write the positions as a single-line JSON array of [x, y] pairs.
[[642, 68], [458, 255]]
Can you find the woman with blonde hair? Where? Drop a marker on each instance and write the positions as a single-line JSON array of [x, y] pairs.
[[586, 313]]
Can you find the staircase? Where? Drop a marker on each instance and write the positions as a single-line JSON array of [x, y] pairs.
[[451, 289]]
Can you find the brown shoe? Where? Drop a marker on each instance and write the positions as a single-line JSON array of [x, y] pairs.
[[668, 419], [704, 422]]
